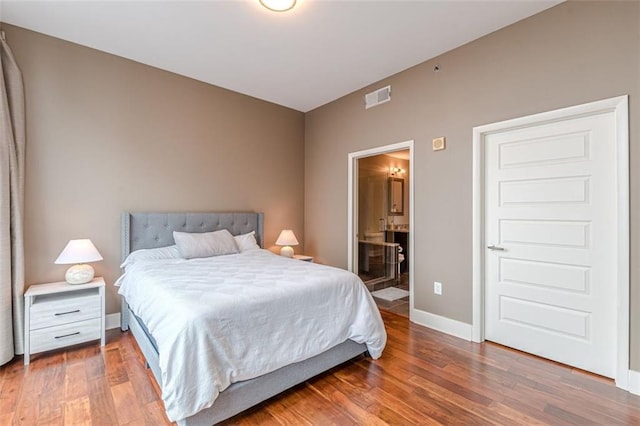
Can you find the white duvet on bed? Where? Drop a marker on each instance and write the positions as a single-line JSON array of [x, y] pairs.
[[225, 319]]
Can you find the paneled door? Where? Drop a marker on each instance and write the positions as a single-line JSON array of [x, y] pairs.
[[550, 233]]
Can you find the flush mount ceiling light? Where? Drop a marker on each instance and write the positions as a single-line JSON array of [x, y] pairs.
[[278, 5]]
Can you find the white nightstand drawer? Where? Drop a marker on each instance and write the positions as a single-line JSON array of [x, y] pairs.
[[60, 336], [48, 312]]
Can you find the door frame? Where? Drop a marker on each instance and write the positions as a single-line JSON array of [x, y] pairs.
[[352, 207], [620, 107]]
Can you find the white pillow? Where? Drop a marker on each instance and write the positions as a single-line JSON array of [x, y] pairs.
[[205, 244], [169, 252], [247, 241]]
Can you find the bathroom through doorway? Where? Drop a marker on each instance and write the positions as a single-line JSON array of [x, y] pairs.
[[380, 224]]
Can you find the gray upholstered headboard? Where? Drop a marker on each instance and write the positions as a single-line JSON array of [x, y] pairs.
[[151, 230]]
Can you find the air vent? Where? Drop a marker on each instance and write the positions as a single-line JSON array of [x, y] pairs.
[[377, 97]]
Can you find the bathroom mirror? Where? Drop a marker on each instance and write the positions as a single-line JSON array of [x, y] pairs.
[[395, 191]]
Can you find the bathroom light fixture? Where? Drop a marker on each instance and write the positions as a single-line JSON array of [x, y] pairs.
[[79, 253], [394, 171], [287, 239], [278, 5]]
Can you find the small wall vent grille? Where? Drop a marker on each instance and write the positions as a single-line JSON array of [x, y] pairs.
[[377, 97]]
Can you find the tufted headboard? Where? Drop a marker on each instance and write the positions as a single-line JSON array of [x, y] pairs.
[[151, 230]]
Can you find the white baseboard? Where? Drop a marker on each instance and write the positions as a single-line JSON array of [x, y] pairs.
[[634, 382], [443, 324], [112, 321]]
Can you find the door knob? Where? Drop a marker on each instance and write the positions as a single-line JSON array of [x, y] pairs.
[[492, 247]]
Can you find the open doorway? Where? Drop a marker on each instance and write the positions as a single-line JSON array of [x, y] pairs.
[[380, 224]]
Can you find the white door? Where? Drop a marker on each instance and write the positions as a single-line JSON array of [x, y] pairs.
[[550, 231]]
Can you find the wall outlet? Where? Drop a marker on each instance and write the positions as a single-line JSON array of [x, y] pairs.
[[437, 287]]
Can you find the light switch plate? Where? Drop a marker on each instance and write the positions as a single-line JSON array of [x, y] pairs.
[[438, 143]]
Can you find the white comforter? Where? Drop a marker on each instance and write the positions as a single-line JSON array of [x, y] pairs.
[[225, 319]]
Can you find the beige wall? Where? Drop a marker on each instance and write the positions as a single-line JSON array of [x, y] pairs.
[[105, 134], [574, 53]]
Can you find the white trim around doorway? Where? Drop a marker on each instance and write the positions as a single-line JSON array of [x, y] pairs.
[[352, 207], [618, 105]]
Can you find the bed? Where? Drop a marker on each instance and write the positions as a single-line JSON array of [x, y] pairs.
[[155, 230]]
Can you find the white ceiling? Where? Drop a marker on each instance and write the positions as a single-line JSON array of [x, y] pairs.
[[301, 59]]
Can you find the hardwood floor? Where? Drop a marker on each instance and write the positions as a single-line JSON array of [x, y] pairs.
[[424, 377]]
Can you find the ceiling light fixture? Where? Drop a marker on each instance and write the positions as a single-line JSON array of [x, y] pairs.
[[278, 5]]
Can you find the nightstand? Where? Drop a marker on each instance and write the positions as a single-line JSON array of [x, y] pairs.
[[303, 257], [59, 314]]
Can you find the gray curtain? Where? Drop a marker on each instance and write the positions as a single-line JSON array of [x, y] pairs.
[[12, 147]]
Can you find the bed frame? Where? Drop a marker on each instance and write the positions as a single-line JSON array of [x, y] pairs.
[[152, 230]]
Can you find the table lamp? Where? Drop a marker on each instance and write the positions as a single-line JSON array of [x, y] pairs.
[[79, 253], [287, 239]]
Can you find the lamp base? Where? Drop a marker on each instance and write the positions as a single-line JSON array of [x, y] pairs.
[[79, 274], [286, 251]]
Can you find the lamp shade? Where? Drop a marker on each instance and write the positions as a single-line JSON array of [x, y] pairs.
[[78, 251], [287, 238]]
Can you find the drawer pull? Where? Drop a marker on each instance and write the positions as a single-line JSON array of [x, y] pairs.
[[67, 313], [66, 335]]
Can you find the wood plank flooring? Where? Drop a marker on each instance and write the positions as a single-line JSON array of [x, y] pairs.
[[424, 377]]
